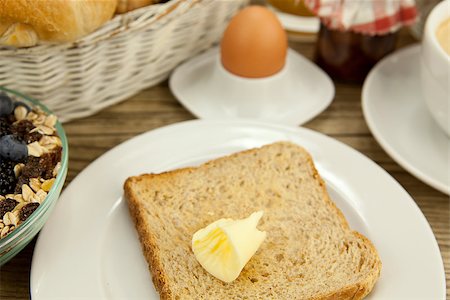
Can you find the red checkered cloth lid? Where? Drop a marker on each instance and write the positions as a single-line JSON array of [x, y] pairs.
[[371, 17]]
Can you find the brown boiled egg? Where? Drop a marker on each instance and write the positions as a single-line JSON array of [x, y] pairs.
[[254, 44]]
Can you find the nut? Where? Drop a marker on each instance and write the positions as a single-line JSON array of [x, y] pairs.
[[42, 129], [20, 113], [32, 116], [49, 148], [4, 231], [50, 121], [50, 140], [56, 169], [35, 184], [40, 195], [18, 169], [39, 120], [12, 218], [6, 219], [18, 207], [27, 193], [18, 198], [35, 149]]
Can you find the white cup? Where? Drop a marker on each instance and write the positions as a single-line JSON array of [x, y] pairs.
[[435, 68]]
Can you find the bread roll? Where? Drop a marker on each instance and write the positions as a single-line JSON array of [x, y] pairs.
[[24, 23], [127, 5]]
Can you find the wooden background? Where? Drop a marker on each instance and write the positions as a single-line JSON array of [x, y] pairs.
[[155, 107]]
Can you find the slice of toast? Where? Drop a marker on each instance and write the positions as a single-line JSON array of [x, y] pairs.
[[309, 252]]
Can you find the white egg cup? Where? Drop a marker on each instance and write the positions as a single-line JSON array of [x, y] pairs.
[[247, 97], [294, 95]]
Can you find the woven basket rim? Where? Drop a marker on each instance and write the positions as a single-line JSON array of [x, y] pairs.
[[134, 51]]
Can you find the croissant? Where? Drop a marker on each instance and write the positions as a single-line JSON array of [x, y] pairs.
[[25, 23]]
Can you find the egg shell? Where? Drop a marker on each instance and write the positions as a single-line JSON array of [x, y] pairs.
[[254, 44]]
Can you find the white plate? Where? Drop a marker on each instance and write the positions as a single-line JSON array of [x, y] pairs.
[[293, 96], [395, 111], [89, 247]]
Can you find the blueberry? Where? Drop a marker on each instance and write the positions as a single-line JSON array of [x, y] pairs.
[[11, 148], [6, 105]]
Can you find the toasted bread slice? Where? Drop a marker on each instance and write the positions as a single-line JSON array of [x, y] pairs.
[[309, 253]]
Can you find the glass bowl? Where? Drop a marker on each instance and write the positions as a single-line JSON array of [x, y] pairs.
[[15, 241]]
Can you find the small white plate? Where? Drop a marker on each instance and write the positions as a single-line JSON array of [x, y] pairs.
[[396, 114], [293, 96], [89, 248]]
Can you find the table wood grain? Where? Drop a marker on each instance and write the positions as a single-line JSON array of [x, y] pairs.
[[154, 107]]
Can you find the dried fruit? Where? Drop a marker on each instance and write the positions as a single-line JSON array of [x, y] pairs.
[[7, 205], [39, 167], [27, 210], [8, 178], [5, 127], [47, 184], [22, 130]]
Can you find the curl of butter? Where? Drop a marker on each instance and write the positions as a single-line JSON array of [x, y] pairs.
[[225, 246]]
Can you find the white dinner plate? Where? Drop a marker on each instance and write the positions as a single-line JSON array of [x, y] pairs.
[[89, 248], [398, 118], [293, 96]]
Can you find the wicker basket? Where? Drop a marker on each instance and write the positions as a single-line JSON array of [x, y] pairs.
[[131, 52]]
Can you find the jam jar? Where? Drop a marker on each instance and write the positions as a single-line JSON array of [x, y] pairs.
[[355, 35], [349, 56]]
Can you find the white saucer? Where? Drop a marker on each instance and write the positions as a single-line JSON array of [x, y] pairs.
[[395, 111], [293, 96], [89, 248]]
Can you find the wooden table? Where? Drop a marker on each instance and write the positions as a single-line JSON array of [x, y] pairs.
[[155, 107]]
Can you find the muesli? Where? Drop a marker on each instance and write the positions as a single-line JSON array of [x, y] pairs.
[[30, 158]]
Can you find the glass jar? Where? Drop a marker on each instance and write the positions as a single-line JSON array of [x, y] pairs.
[[349, 56]]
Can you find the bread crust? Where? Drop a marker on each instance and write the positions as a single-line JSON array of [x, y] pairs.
[[354, 292], [147, 241], [359, 290], [24, 23]]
